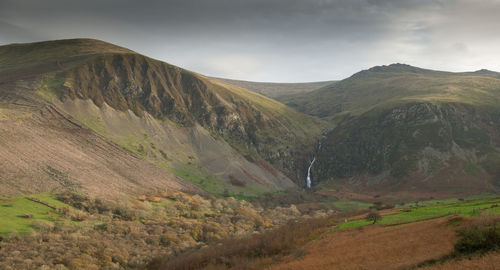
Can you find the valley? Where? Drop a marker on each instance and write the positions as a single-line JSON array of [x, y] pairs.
[[113, 160]]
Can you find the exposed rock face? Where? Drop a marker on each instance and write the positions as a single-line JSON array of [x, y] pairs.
[[135, 82], [415, 141]]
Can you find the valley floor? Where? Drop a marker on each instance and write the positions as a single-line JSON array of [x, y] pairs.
[[439, 234]]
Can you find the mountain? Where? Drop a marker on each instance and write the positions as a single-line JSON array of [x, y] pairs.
[[164, 120], [278, 91], [402, 129]]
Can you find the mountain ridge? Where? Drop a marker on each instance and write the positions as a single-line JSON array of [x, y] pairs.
[[124, 86]]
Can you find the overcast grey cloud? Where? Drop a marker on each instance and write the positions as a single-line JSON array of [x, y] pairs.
[[274, 40]]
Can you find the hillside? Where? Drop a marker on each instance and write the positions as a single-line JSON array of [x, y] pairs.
[[401, 129], [278, 91], [218, 136]]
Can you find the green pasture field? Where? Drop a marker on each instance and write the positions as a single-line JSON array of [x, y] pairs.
[[18, 214], [466, 208]]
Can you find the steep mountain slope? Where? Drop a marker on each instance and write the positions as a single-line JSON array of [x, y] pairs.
[[43, 149], [278, 91], [400, 128], [219, 136]]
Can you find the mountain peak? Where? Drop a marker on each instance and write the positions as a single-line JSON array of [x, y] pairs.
[[397, 67], [78, 45], [388, 69], [486, 72]]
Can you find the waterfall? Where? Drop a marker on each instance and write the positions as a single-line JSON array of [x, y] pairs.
[[308, 179]]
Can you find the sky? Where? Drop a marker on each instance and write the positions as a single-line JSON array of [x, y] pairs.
[[274, 40]]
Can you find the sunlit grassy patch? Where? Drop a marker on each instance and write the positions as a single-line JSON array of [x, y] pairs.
[[18, 214], [409, 214]]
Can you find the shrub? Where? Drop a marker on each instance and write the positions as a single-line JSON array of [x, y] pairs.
[[235, 181], [125, 212], [482, 236]]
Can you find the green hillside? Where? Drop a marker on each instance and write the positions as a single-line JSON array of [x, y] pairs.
[[398, 83]]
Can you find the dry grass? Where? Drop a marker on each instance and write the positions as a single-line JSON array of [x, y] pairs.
[[488, 261], [377, 247]]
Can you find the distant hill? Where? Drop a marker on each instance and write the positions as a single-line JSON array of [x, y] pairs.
[[400, 128], [278, 90], [394, 84], [221, 137]]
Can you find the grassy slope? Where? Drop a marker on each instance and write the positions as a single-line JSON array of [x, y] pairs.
[[388, 85], [277, 90], [376, 247]]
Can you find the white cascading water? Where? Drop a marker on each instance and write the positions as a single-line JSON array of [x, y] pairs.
[[308, 179]]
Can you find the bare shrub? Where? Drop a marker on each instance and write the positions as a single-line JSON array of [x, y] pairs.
[[43, 226]]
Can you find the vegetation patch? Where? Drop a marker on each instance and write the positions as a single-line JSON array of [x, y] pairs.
[[248, 193], [350, 205], [198, 177], [50, 87], [95, 123]]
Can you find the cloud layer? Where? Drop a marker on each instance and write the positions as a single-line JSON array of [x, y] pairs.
[[274, 40]]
